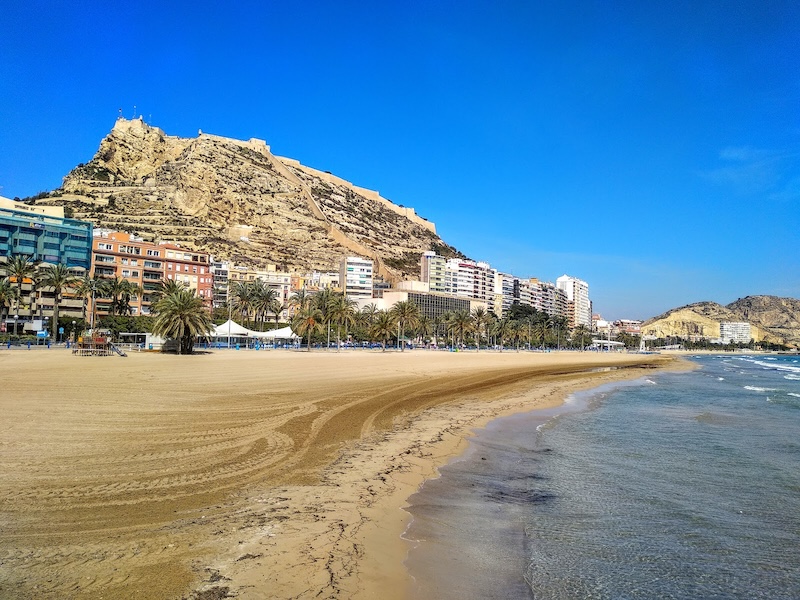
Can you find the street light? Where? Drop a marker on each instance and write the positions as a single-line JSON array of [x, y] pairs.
[[74, 333], [15, 323]]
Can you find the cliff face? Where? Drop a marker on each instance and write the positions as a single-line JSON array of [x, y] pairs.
[[771, 319], [238, 201]]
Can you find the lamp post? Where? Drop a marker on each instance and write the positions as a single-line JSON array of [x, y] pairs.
[[15, 323], [74, 333]]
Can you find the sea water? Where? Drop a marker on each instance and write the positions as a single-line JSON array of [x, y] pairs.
[[678, 485]]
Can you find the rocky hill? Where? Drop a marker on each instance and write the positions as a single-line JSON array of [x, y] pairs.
[[238, 201], [771, 319]]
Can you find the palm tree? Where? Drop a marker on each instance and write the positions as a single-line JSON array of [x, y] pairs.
[[7, 294], [405, 313], [59, 278], [480, 318], [307, 321], [90, 288], [503, 329], [460, 323], [165, 287], [518, 330], [323, 301], [20, 268], [241, 299], [264, 300], [343, 313], [560, 324], [120, 291], [581, 331], [382, 327], [182, 316], [300, 299], [424, 327], [369, 311]]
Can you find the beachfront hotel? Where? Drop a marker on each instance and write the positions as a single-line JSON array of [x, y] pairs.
[[43, 235]]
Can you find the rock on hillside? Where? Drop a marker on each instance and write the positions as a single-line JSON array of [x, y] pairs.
[[238, 201], [771, 319]]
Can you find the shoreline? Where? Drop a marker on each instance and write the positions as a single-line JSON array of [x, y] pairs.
[[282, 474], [366, 556]]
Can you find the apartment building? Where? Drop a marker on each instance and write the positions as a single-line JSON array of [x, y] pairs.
[[355, 277], [145, 264], [432, 271], [579, 306], [735, 332], [220, 273]]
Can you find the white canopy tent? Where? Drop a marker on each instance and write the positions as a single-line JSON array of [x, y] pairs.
[[231, 328], [284, 333], [231, 331]]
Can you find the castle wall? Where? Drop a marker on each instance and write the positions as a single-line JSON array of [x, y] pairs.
[[406, 212]]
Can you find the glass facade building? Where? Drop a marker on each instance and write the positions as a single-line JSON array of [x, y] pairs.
[[43, 237]]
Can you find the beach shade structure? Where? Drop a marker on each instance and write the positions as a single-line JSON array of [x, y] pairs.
[[231, 328], [284, 333], [231, 333]]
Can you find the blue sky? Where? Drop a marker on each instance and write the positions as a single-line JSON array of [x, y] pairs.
[[651, 149]]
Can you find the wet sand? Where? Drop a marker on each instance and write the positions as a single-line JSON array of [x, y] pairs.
[[247, 474]]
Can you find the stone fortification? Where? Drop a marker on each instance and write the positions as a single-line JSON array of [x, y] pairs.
[[405, 211], [238, 201]]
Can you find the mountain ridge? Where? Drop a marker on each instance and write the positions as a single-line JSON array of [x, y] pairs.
[[772, 319], [238, 201]]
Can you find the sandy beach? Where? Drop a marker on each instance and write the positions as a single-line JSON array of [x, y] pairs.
[[243, 474]]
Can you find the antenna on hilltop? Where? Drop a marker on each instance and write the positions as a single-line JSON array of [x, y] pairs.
[[120, 113], [134, 111]]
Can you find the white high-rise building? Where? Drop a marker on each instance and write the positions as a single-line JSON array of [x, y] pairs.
[[580, 307], [738, 333], [355, 277]]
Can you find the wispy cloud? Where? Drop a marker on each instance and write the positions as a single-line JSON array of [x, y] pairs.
[[747, 171]]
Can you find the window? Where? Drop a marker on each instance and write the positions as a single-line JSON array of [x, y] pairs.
[[169, 268], [104, 247], [154, 253], [124, 261], [152, 265]]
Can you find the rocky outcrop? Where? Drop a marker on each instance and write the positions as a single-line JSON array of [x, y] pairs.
[[238, 201], [772, 319]]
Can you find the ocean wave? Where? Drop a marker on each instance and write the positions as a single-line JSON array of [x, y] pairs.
[[776, 367], [795, 395], [792, 377], [753, 388]]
